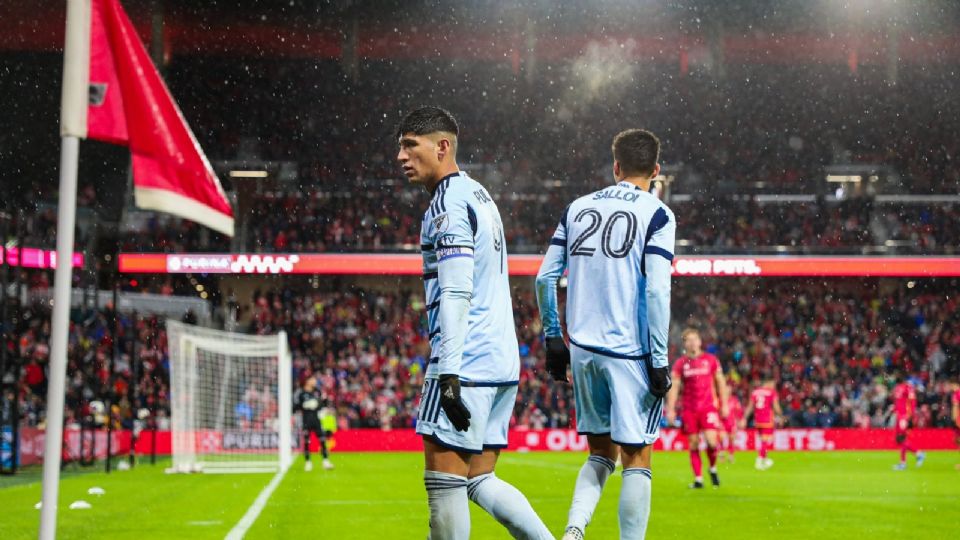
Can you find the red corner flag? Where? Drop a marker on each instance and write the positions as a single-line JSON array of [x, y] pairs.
[[130, 105]]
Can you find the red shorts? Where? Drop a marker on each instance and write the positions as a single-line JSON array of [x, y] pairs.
[[902, 427], [765, 431], [697, 421]]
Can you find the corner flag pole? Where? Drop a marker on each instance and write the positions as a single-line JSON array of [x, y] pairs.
[[73, 127]]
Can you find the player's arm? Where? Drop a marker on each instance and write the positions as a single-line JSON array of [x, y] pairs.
[[777, 410], [553, 265], [657, 256], [455, 263], [671, 407], [746, 414], [720, 382]]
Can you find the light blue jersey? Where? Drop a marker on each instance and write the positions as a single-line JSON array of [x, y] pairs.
[[470, 314], [618, 243]]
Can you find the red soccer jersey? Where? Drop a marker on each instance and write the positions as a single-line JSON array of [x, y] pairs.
[[904, 400], [735, 408], [762, 399], [697, 375]]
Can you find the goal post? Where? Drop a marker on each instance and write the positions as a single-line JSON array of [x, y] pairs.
[[230, 400]]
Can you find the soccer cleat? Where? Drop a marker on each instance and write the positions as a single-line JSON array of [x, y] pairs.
[[715, 479], [767, 463], [572, 533], [308, 466], [758, 464], [920, 457], [900, 467], [327, 465], [697, 484]]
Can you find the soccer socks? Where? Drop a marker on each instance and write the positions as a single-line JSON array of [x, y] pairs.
[[635, 503], [508, 506], [306, 446], [449, 506], [696, 463], [712, 457], [323, 447], [762, 450], [586, 493]]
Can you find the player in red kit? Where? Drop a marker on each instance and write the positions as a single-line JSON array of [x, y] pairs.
[[699, 377], [730, 424], [904, 407], [765, 407], [955, 415]]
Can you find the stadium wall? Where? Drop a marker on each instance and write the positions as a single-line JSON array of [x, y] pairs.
[[548, 440]]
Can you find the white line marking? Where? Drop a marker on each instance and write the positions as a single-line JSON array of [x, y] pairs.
[[248, 519], [204, 523]]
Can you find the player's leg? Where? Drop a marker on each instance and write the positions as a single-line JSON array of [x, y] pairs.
[[592, 401], [307, 466], [712, 447], [322, 440], [901, 438], [498, 498], [445, 478], [766, 438], [447, 455], [634, 425], [696, 464], [731, 439], [635, 494], [761, 440]]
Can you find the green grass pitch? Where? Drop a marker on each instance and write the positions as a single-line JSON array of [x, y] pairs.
[[840, 495]]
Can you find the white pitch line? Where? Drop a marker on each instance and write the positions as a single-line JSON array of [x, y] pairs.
[[240, 529]]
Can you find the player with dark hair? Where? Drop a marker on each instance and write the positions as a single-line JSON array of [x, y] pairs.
[[617, 244], [731, 423], [309, 401], [764, 406], [470, 385], [700, 379], [904, 407]]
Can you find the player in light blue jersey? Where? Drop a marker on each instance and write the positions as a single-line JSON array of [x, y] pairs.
[[470, 385], [617, 244]]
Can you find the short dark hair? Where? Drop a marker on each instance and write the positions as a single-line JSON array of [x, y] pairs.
[[427, 120], [637, 150]]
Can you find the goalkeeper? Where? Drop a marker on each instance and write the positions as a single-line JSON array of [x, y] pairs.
[[311, 404]]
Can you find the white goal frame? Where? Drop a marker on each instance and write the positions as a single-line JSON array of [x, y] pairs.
[[188, 454]]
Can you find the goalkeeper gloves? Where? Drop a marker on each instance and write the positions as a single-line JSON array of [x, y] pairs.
[[451, 403], [558, 358], [660, 382]]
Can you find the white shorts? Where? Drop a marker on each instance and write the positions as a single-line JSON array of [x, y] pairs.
[[491, 408], [612, 398]]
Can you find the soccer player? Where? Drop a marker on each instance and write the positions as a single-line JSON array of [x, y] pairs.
[[308, 401], [730, 424], [904, 407], [470, 385], [765, 407], [617, 244], [955, 415], [700, 380]]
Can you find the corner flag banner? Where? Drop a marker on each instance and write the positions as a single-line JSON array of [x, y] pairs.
[[130, 105]]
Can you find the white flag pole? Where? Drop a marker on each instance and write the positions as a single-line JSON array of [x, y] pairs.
[[73, 127]]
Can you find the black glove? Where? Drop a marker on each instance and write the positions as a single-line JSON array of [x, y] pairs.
[[660, 382], [452, 405], [558, 358]]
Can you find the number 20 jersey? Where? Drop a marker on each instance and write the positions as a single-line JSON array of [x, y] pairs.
[[606, 235]]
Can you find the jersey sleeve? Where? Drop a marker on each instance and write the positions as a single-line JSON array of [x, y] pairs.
[[553, 265], [677, 369], [451, 231], [656, 265]]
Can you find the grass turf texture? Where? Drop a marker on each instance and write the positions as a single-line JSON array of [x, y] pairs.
[[839, 495]]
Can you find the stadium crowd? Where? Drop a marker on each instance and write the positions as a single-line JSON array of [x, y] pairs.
[[832, 347]]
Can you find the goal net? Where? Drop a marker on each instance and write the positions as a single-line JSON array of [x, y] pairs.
[[230, 400]]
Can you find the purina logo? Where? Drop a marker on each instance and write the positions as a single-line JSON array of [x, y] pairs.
[[98, 94], [199, 263]]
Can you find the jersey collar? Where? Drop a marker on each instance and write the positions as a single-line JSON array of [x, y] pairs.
[[628, 185], [443, 181]]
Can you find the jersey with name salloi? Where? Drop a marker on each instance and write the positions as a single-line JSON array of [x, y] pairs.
[[607, 240], [461, 224]]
